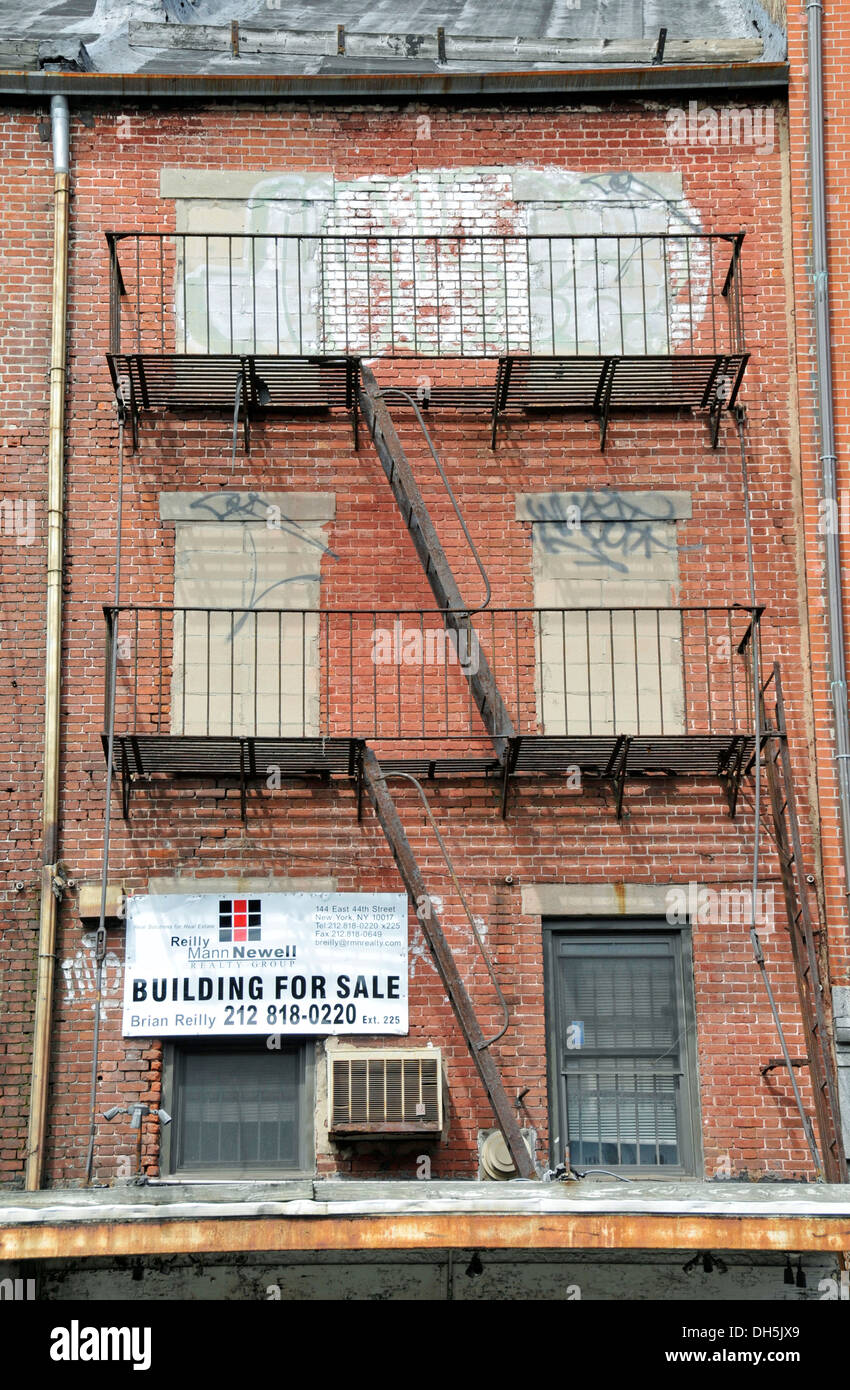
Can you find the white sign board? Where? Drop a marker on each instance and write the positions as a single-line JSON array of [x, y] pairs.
[[214, 965]]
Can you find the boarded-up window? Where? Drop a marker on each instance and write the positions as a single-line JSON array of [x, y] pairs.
[[246, 634], [609, 639]]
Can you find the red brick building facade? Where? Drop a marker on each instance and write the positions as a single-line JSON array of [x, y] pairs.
[[664, 527], [676, 832]]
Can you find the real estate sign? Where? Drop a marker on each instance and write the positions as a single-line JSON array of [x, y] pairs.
[[218, 965]]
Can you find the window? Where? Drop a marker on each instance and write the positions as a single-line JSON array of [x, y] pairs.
[[244, 642], [237, 1110], [620, 1029], [609, 651]]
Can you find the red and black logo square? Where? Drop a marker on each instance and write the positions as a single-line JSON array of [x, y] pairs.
[[239, 919]]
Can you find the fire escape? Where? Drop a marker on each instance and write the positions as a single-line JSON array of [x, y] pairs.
[[267, 326]]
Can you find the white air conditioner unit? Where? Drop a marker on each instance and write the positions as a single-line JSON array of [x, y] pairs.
[[385, 1092]]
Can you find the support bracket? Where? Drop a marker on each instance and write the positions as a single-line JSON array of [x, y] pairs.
[[352, 381], [126, 782], [503, 377], [602, 404], [246, 398], [134, 415], [733, 775], [714, 414], [508, 765], [243, 798], [774, 1062], [358, 781], [616, 771]]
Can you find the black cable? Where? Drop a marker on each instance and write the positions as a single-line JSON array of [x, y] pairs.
[[408, 777], [397, 391], [757, 694], [100, 939]]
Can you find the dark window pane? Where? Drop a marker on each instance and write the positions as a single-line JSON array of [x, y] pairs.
[[619, 1038], [238, 1109]]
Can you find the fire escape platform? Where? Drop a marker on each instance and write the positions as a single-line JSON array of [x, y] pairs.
[[208, 381], [597, 323], [602, 384], [616, 757], [673, 755], [196, 381], [250, 760], [280, 384]]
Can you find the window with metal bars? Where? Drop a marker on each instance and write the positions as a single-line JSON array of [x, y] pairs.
[[623, 1081], [238, 1109]]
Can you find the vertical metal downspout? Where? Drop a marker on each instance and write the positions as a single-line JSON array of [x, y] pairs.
[[60, 123], [826, 425]]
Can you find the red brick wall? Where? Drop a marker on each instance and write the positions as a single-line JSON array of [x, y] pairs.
[[25, 217], [676, 832]]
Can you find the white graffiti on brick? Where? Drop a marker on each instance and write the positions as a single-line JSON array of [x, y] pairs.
[[80, 972], [448, 262]]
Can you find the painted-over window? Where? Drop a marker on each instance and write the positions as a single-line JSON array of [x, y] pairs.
[[247, 570], [609, 639]]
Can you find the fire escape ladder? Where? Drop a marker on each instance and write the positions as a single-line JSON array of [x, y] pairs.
[[813, 991], [433, 558], [390, 821]]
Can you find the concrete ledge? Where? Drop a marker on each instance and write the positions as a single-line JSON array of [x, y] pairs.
[[246, 506], [270, 185], [608, 505], [568, 186], [242, 883], [597, 899]]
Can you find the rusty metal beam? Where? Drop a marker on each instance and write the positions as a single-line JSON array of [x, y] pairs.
[[457, 1230], [518, 86], [431, 554], [504, 1111]]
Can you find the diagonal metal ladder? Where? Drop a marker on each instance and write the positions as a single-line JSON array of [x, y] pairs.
[[390, 821], [432, 556], [498, 724], [812, 986]]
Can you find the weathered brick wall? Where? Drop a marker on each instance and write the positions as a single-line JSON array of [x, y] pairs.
[[25, 226], [676, 832]]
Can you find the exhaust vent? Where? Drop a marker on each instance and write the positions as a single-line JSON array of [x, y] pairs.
[[388, 1092]]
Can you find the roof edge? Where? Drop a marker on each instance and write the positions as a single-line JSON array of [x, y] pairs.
[[543, 85]]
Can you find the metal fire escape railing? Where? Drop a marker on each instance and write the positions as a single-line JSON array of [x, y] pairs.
[[575, 323], [578, 696], [611, 691], [589, 323]]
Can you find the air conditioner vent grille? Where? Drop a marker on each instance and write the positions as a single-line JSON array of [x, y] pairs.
[[381, 1092]]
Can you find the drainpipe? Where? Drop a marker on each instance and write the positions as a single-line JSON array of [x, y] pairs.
[[823, 373], [60, 123]]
